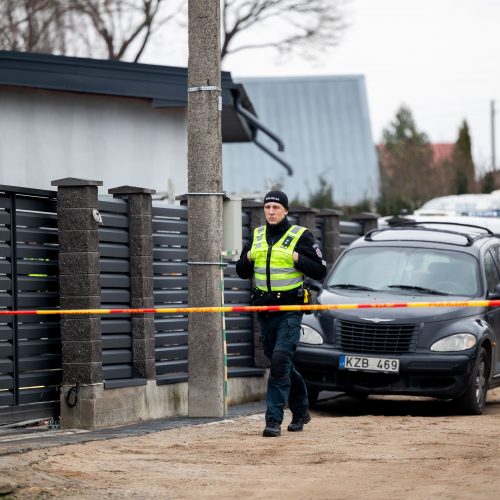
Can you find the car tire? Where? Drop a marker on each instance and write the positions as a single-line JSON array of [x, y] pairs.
[[473, 400], [312, 395]]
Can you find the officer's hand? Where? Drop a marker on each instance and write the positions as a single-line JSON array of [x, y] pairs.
[[295, 256], [249, 256]]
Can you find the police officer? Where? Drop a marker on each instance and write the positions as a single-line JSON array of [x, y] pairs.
[[277, 257]]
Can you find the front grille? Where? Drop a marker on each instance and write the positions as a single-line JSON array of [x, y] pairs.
[[354, 336]]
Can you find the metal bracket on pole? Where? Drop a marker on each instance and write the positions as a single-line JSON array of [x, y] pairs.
[[205, 88], [208, 88]]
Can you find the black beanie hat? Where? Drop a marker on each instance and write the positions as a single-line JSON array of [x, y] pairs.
[[277, 197]]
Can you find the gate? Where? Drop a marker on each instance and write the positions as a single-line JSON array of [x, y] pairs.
[[30, 346]]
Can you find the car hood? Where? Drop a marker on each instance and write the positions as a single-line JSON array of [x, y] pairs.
[[401, 314]]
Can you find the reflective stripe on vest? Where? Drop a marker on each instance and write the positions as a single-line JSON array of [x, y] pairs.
[[281, 270]]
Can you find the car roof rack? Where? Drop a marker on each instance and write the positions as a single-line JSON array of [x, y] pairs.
[[405, 224]]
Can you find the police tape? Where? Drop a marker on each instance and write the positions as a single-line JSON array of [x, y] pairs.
[[241, 309]]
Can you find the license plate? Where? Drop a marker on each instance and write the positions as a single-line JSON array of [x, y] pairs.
[[369, 364]]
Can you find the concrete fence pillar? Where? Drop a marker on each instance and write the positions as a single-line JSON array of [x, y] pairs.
[[79, 288], [367, 220], [256, 213], [141, 276], [306, 217], [331, 235]]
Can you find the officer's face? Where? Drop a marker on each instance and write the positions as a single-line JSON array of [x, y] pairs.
[[274, 212]]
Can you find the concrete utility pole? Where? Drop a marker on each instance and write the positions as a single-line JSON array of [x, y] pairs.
[[205, 197]]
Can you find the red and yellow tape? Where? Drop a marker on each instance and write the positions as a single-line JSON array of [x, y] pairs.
[[233, 309]]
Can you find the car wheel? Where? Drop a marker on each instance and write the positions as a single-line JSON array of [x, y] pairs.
[[473, 401], [312, 395]]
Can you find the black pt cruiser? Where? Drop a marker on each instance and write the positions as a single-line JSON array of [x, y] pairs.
[[442, 352]]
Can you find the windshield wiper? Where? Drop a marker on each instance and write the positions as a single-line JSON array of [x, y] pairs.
[[352, 287], [419, 289]]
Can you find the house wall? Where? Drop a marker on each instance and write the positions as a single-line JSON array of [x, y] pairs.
[[46, 135]]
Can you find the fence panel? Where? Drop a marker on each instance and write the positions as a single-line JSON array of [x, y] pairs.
[[170, 269], [117, 356], [30, 346]]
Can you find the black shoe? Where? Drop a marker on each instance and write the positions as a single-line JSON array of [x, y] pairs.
[[297, 423], [273, 429]]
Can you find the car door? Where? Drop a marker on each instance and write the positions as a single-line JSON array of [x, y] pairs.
[[492, 272]]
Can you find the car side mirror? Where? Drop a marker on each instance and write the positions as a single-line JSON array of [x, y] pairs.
[[314, 285], [495, 294]]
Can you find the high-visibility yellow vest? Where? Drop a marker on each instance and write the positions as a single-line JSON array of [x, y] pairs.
[[279, 265]]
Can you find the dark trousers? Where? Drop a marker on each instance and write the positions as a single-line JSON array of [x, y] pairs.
[[280, 334]]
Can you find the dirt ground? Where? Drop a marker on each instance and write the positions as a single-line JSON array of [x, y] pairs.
[[380, 448]]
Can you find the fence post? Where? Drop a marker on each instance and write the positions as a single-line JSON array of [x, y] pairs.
[[367, 220], [331, 235], [141, 276], [79, 288], [256, 213], [306, 217]]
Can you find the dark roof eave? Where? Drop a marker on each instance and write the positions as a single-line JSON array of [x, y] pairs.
[[165, 86]]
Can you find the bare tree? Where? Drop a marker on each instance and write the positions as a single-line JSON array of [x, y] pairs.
[[122, 29], [33, 26], [288, 24], [117, 29], [112, 29]]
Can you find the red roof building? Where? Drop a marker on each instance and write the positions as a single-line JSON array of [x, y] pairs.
[[442, 152]]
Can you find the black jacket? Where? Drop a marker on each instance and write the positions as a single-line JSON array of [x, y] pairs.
[[310, 263]]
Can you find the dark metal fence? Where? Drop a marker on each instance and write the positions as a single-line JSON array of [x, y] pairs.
[[30, 346], [117, 360], [170, 269]]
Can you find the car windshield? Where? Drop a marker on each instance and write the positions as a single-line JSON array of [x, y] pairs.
[[406, 270]]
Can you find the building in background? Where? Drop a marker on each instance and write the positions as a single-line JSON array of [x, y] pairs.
[[442, 152], [324, 122], [122, 123]]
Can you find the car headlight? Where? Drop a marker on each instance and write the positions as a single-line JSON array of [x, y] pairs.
[[309, 335], [457, 342]]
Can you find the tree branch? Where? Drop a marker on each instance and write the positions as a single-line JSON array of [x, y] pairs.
[[307, 22]]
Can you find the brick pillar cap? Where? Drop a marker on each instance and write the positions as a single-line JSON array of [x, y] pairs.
[[252, 204], [75, 182], [303, 210], [330, 212], [123, 190], [365, 216]]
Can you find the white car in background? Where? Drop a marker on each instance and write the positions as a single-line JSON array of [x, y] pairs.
[[491, 223], [482, 205], [476, 209]]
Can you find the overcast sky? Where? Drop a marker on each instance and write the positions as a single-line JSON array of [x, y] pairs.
[[439, 57]]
